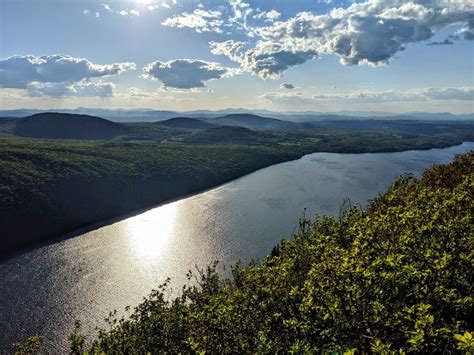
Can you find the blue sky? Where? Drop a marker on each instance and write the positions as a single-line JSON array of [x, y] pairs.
[[328, 55]]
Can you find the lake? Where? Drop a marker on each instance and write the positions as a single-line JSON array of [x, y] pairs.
[[43, 291]]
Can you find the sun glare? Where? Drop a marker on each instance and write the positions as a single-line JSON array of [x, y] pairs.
[[150, 231]]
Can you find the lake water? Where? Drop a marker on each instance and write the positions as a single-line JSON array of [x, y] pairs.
[[44, 290]]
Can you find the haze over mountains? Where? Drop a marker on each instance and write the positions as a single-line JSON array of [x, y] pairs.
[[149, 115], [54, 125]]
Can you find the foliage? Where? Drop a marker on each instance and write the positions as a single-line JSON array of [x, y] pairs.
[[394, 278], [32, 345]]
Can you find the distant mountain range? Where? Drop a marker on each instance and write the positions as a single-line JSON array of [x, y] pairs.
[[54, 125], [149, 115]]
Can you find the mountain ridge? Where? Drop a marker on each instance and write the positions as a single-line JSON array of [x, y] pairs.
[[151, 115], [54, 125]]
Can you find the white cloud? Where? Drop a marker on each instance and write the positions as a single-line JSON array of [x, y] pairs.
[[289, 99], [467, 32], [138, 92], [58, 75], [267, 59], [199, 20], [240, 10], [268, 16], [185, 73], [416, 95], [426, 94], [19, 71], [88, 12], [122, 12], [159, 95], [370, 32], [80, 88]]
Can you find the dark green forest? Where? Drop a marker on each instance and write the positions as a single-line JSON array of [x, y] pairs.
[[396, 277]]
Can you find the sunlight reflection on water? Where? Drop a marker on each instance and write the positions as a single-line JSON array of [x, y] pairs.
[[150, 232]]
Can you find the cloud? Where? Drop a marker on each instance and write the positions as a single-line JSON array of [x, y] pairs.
[[462, 94], [122, 12], [199, 20], [467, 32], [147, 96], [297, 98], [465, 93], [58, 75], [287, 86], [416, 95], [88, 12], [18, 71], [81, 88], [186, 73], [268, 16], [240, 10], [370, 32], [266, 59]]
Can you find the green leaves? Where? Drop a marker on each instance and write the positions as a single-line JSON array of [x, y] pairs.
[[465, 342], [32, 345]]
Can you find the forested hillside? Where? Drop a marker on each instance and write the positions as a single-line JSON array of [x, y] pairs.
[[395, 277], [65, 126], [49, 188]]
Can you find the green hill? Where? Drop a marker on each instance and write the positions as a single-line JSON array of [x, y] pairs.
[[186, 123], [52, 125], [230, 135], [393, 278], [254, 122]]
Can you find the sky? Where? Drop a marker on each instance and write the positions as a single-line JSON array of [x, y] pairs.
[[281, 55]]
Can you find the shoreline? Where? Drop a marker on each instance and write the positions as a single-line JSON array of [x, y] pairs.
[[109, 221]]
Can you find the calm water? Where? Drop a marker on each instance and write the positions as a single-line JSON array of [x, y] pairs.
[[43, 291]]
